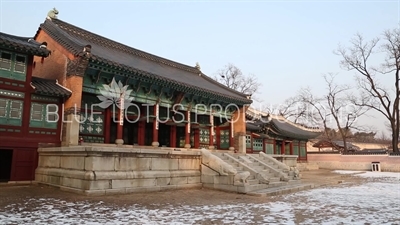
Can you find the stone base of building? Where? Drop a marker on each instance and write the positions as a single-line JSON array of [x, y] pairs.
[[99, 170]]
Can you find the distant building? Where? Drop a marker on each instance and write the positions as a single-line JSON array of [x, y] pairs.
[[276, 135], [25, 102], [335, 145]]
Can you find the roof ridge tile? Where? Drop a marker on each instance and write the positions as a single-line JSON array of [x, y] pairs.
[[114, 44]]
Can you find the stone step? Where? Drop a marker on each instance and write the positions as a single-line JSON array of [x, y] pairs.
[[254, 164], [267, 171], [238, 168], [274, 179], [281, 190], [254, 187], [253, 181], [258, 168], [294, 182], [277, 184]]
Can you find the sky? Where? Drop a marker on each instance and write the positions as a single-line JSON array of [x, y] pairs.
[[287, 45]]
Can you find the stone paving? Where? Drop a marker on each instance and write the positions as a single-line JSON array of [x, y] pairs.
[[339, 199]]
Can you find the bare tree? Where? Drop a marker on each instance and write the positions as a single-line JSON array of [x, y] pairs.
[[372, 93], [344, 114], [316, 110], [295, 109], [232, 77], [333, 108]]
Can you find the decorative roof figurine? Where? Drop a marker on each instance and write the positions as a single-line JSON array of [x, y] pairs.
[[197, 66], [52, 14]]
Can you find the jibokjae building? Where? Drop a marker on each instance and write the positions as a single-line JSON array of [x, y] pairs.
[[131, 121], [171, 104]]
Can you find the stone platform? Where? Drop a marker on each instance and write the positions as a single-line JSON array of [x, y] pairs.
[[103, 170]]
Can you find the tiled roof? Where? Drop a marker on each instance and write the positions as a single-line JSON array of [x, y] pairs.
[[281, 126], [22, 44], [288, 130], [252, 127], [49, 87], [335, 144], [115, 54]]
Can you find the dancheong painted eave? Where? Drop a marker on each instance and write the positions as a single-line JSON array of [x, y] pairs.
[[126, 58], [23, 45]]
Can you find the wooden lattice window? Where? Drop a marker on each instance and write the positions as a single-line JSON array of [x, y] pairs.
[[287, 148], [52, 115], [11, 112], [20, 64], [269, 147], [15, 109], [37, 112], [224, 139], [43, 115], [257, 144], [295, 148], [248, 141], [5, 60], [91, 124], [13, 66], [204, 134], [3, 108], [303, 151]]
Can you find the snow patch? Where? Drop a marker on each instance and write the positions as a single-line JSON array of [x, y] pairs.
[[374, 201]]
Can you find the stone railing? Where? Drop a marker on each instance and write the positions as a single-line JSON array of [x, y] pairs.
[[217, 174]]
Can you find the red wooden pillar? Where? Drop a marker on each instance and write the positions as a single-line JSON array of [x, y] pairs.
[[211, 133], [218, 137], [197, 138], [155, 142], [231, 134], [283, 147], [120, 127], [107, 125], [187, 130], [172, 140]]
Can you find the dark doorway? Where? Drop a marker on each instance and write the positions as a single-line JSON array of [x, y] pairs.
[[130, 132], [5, 164], [180, 137], [164, 135], [113, 132], [148, 134]]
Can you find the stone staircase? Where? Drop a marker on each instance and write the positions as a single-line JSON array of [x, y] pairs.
[[268, 176]]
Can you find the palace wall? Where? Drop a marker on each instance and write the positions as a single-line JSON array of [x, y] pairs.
[[354, 162]]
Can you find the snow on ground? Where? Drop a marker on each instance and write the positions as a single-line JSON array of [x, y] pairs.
[[374, 201], [347, 171]]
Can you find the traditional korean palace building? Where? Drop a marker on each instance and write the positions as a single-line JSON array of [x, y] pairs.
[[25, 102], [276, 135], [193, 110], [88, 114]]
